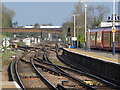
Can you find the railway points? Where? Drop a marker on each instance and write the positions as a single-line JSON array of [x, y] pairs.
[[42, 61], [39, 67]]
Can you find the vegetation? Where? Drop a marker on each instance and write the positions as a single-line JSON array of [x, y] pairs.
[[5, 56], [7, 34], [36, 25], [95, 15], [6, 15], [21, 43]]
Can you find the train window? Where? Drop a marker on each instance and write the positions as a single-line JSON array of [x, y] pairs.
[[92, 36], [117, 37], [106, 36], [99, 36]]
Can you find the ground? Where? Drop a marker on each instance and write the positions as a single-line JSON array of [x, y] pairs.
[[5, 61]]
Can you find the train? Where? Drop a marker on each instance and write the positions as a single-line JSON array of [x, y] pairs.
[[102, 38]]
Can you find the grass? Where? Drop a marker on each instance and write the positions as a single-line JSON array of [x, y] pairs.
[[5, 58], [0, 62], [21, 43]]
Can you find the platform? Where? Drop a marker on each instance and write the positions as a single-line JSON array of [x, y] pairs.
[[102, 55], [9, 85]]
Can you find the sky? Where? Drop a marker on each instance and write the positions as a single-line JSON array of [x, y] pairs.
[[56, 13]]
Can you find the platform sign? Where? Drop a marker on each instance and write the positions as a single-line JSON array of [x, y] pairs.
[[113, 29], [74, 38], [110, 18], [27, 41]]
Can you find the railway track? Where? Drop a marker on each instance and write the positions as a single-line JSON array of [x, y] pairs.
[[34, 70], [92, 80], [25, 75], [56, 77]]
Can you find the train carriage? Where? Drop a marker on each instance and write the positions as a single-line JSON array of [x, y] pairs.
[[101, 38]]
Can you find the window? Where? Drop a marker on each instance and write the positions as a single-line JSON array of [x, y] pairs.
[[106, 36], [99, 36], [92, 36], [117, 36]]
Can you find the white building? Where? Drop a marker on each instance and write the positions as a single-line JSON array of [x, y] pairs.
[[43, 26], [28, 26], [50, 26]]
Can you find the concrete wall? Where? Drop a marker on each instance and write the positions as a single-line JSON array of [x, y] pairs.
[[99, 67]]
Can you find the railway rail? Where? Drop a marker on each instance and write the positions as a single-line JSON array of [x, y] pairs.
[[93, 80], [26, 75], [34, 69]]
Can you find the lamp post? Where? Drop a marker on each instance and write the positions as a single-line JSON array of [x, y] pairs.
[[74, 43], [85, 24], [74, 25], [113, 29]]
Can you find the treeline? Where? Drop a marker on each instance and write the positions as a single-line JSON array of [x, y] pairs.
[[6, 16]]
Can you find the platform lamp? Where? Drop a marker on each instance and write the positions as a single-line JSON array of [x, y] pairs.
[[113, 29], [74, 37], [85, 25]]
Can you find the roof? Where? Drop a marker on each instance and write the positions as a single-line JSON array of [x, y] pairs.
[[105, 29]]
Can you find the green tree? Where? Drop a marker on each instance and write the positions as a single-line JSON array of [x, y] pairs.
[[36, 25], [6, 15], [65, 28]]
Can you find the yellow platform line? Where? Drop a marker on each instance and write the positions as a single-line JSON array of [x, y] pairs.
[[95, 56]]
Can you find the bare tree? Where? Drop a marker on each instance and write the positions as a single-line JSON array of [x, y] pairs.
[[97, 15]]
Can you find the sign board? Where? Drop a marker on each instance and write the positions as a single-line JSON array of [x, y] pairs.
[[74, 38], [113, 29], [6, 43], [110, 18], [27, 41]]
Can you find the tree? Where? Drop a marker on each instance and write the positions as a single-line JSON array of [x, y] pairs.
[[95, 15], [36, 25], [6, 16], [65, 27], [15, 24]]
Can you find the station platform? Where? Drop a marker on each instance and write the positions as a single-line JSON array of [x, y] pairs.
[[9, 85], [102, 55]]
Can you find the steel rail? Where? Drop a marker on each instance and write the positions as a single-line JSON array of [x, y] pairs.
[[92, 76], [18, 77], [43, 78], [66, 74], [83, 73]]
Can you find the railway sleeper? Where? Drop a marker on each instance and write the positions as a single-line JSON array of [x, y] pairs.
[[45, 70], [29, 76]]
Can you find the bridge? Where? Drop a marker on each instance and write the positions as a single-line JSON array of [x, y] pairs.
[[48, 30], [44, 33]]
